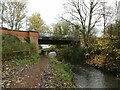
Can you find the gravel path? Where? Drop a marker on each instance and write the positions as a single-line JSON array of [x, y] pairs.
[[35, 76]]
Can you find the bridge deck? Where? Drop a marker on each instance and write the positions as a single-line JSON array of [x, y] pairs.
[[56, 41]]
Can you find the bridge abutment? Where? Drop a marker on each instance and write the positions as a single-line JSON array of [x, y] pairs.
[[33, 36]]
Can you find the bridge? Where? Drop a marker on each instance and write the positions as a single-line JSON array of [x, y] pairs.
[[57, 39]]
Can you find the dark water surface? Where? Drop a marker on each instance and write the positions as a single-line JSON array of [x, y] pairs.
[[89, 77]]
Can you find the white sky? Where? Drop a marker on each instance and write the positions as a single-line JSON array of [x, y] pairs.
[[49, 9]]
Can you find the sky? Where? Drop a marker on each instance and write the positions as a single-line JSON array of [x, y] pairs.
[[49, 9]]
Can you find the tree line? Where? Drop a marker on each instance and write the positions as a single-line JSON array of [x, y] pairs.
[[80, 18], [14, 16]]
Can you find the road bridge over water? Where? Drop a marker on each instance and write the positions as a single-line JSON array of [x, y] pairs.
[[61, 39]]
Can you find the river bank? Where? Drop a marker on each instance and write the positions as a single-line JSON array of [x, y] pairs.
[[62, 75], [115, 73], [102, 70]]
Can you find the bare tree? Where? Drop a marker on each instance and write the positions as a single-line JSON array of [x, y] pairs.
[[2, 10], [14, 14], [117, 10], [107, 14], [85, 13]]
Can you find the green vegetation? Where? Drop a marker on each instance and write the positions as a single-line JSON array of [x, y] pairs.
[[28, 60], [14, 10], [105, 54], [62, 74], [65, 28], [16, 56], [36, 23], [11, 43], [12, 47], [27, 39], [72, 54]]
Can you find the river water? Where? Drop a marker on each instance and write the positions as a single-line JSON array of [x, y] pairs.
[[89, 77]]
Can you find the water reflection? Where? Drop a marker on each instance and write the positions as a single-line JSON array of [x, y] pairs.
[[89, 77]]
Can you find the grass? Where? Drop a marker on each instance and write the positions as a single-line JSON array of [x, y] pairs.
[[28, 59], [62, 74]]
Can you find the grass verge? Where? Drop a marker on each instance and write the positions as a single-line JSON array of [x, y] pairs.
[[62, 74]]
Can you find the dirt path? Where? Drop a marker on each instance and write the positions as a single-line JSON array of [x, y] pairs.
[[33, 77]]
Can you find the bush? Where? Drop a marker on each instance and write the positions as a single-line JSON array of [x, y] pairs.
[[73, 54], [105, 54]]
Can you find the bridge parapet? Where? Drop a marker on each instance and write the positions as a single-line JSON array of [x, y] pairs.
[[58, 37]]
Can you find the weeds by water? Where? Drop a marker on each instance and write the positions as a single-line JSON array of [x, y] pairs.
[[62, 74]]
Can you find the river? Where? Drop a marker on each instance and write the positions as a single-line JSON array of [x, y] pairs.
[[90, 77]]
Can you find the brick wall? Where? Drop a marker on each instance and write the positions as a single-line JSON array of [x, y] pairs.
[[34, 39], [22, 35]]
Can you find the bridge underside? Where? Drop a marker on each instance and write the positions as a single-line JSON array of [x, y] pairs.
[[57, 42]]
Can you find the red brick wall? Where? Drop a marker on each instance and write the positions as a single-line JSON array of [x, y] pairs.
[[22, 35], [34, 39]]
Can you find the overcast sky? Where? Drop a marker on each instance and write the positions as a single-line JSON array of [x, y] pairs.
[[49, 9]]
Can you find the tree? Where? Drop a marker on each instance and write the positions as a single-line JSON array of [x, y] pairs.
[[14, 13], [85, 14], [65, 28], [61, 28], [36, 23], [107, 14], [2, 9]]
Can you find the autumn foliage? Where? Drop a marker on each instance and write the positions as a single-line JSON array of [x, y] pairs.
[[105, 53]]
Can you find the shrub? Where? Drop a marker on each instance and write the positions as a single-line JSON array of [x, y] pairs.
[[73, 54], [105, 53]]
